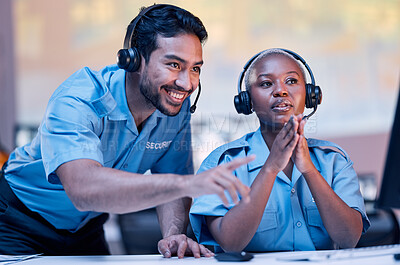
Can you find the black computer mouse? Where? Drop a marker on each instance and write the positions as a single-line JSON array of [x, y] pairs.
[[234, 256]]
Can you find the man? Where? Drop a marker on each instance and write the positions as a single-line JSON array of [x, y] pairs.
[[101, 131]]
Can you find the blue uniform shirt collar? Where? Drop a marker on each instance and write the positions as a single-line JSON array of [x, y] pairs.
[[122, 112], [259, 148], [115, 95]]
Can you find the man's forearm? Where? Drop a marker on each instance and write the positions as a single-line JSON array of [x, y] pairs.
[[92, 187], [174, 216]]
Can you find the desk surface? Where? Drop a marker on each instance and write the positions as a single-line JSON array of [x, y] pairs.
[[376, 257]]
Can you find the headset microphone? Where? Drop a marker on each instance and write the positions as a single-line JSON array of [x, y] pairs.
[[193, 107]]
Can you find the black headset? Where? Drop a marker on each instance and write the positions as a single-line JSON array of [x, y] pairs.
[[129, 58], [242, 100]]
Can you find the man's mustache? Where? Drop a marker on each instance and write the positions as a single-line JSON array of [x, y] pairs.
[[177, 88]]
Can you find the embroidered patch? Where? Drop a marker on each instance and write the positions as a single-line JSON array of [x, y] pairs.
[[158, 145]]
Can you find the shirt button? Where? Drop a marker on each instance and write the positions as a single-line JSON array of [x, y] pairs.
[[293, 191], [125, 166], [298, 224]]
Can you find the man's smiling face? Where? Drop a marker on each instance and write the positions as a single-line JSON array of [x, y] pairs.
[[172, 72]]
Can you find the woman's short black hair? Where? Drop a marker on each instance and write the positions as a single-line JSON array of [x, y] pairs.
[[167, 21]]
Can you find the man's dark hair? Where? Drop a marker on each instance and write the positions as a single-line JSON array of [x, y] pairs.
[[167, 21]]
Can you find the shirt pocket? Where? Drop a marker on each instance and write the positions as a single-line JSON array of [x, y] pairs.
[[267, 233], [316, 228], [268, 220], [313, 217], [149, 159]]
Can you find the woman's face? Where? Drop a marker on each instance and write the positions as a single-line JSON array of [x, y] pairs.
[[277, 90]]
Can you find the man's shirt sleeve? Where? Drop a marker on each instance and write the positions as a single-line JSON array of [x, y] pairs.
[[68, 133]]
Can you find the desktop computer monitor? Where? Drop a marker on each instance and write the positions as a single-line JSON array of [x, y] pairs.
[[389, 195]]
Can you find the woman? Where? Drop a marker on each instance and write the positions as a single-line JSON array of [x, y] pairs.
[[304, 192]]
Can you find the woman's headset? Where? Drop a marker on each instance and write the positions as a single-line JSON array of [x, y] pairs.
[[242, 100]]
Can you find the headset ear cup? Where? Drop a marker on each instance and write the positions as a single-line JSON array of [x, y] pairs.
[[246, 103], [123, 58], [313, 96], [310, 96], [236, 102], [129, 59], [318, 94], [135, 60], [243, 103]]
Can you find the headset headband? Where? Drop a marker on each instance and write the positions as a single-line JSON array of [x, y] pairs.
[[132, 25], [295, 55], [242, 100]]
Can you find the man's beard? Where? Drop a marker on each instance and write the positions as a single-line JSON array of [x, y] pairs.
[[153, 99]]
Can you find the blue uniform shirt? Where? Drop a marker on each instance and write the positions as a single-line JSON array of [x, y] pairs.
[[88, 117], [291, 220]]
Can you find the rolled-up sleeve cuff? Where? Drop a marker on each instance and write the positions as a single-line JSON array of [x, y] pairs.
[[62, 158]]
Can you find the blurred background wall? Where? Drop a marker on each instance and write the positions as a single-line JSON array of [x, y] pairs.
[[352, 46], [7, 79]]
